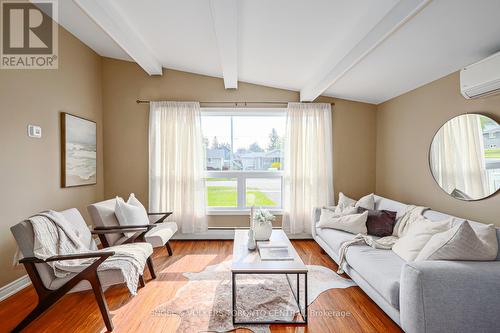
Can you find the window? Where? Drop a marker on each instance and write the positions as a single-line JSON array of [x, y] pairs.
[[244, 158]]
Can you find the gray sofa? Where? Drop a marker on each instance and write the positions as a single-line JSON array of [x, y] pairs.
[[427, 296]]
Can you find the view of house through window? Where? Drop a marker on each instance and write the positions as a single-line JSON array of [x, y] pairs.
[[244, 157], [491, 143]]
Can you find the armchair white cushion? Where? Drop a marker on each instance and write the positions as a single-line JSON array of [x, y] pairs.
[[103, 215], [161, 234]]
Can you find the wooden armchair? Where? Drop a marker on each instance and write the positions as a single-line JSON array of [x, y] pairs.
[[104, 218], [50, 288]]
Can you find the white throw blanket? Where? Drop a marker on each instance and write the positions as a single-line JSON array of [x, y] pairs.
[[405, 219], [53, 235]]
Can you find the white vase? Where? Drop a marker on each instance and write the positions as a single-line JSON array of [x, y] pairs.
[[262, 231], [251, 241]]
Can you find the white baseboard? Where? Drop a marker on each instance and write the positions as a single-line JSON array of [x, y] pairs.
[[13, 287], [207, 235], [300, 236], [222, 234]]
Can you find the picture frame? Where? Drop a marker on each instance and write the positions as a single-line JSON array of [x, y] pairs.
[[78, 151]]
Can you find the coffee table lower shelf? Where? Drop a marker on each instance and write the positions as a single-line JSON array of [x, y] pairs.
[[296, 294]]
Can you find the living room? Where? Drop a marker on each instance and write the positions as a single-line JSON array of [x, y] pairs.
[[250, 166]]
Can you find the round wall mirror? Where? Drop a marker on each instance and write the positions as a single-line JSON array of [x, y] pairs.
[[465, 157]]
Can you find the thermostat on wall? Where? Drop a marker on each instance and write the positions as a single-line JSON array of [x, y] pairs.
[[34, 131]]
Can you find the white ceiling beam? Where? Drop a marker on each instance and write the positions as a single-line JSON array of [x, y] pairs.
[[225, 21], [111, 19], [330, 73]]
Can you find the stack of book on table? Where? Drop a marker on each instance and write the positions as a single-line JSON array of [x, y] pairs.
[[274, 251]]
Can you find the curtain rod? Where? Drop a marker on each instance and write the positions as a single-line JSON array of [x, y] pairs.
[[234, 103]]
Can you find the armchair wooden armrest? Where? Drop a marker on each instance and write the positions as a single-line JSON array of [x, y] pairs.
[[120, 228], [32, 260], [87, 255], [138, 231], [161, 219], [104, 254]]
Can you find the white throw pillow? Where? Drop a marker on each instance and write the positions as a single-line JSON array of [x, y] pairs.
[[346, 210], [353, 223], [132, 200], [340, 212], [462, 242], [486, 232], [130, 213], [367, 202], [345, 201], [419, 233]]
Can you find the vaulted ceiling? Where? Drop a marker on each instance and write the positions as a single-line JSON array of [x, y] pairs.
[[362, 50]]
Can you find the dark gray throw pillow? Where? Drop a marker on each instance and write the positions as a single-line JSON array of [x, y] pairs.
[[380, 222]]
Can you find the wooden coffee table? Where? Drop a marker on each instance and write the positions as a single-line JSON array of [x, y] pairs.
[[249, 262]]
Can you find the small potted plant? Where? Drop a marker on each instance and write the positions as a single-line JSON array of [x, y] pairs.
[[263, 224]]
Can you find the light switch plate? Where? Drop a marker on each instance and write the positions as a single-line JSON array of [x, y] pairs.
[[34, 131]]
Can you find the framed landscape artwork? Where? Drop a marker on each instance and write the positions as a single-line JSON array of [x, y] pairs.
[[78, 151]]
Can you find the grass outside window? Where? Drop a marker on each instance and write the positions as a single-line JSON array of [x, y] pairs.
[[227, 196], [492, 153]]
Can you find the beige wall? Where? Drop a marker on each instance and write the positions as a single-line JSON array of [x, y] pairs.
[[30, 168], [405, 128], [126, 128]]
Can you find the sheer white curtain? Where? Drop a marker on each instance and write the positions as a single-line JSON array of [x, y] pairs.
[[457, 157], [308, 180], [176, 160]]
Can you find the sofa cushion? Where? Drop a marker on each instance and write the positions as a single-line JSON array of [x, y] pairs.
[[334, 238], [419, 233], [353, 223], [368, 202], [379, 222], [462, 243], [380, 268], [345, 201], [382, 203], [436, 216]]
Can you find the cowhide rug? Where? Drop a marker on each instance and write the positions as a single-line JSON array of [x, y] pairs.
[[204, 303]]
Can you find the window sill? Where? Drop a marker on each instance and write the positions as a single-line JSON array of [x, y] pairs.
[[240, 212]]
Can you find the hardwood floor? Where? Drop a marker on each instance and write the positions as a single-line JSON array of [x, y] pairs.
[[79, 311]]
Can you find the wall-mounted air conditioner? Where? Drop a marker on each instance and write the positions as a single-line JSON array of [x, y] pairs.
[[482, 78]]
